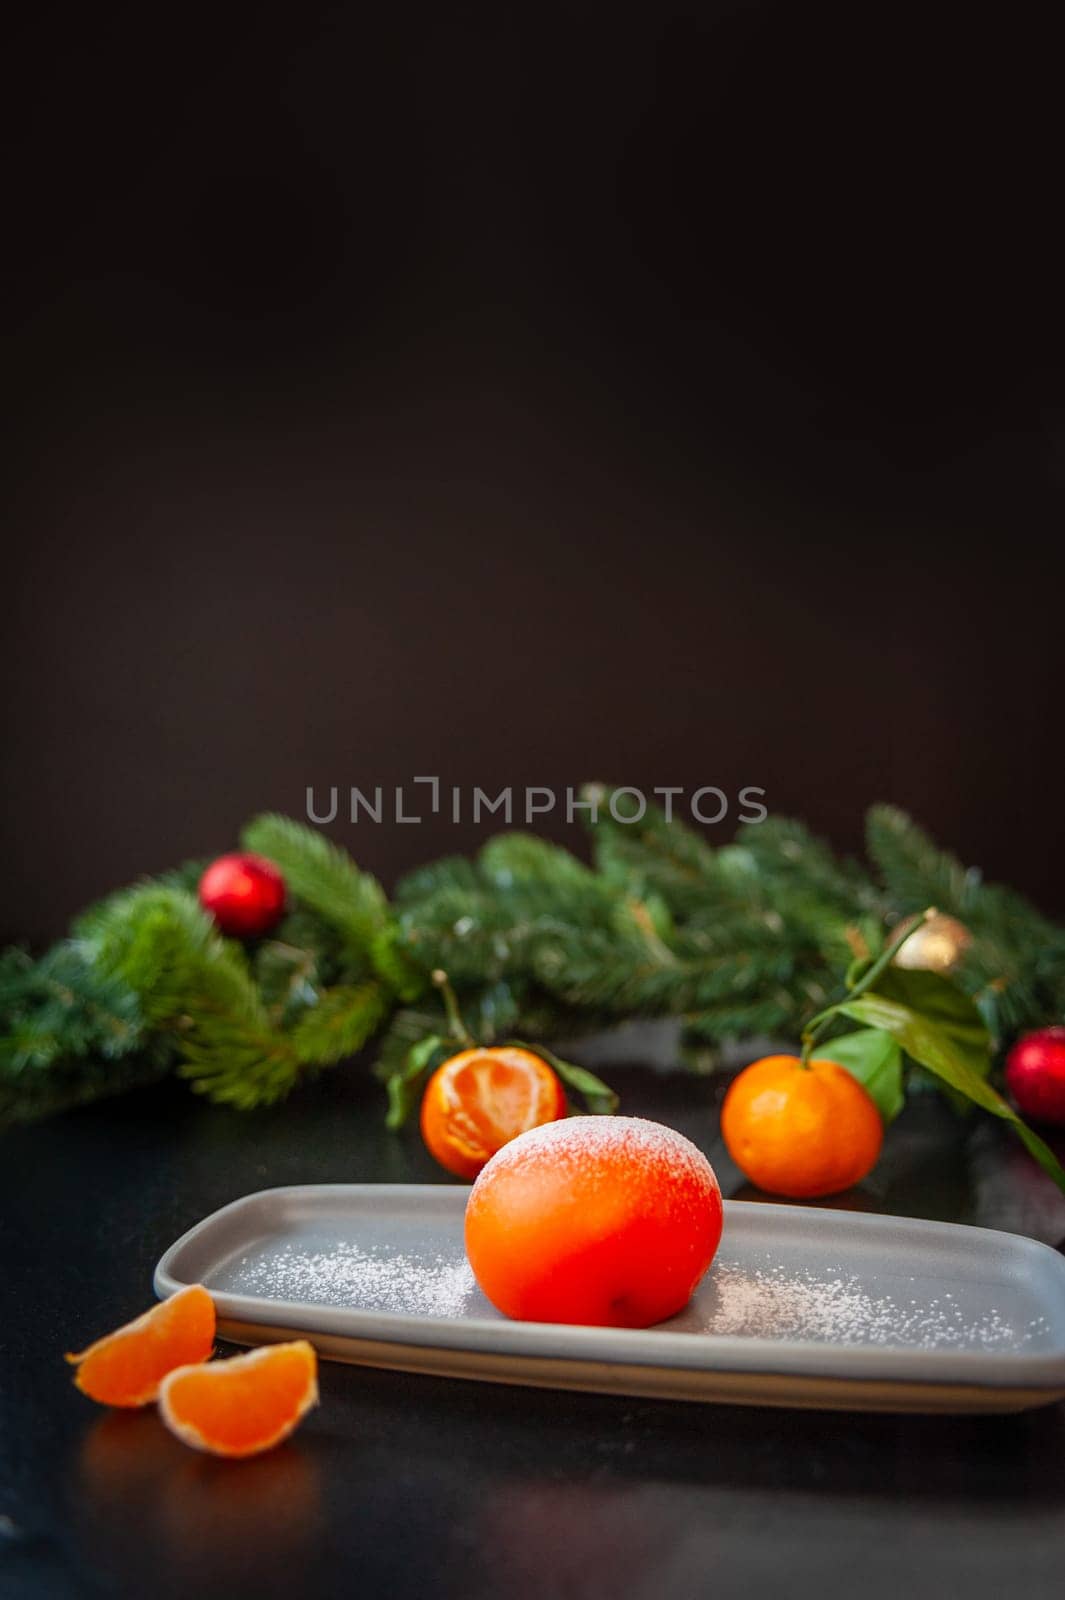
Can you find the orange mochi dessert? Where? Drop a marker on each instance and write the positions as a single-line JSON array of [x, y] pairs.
[[602, 1220]]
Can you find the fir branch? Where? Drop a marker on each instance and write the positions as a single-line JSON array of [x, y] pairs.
[[509, 859], [163, 946], [450, 872], [496, 1010], [651, 854], [232, 1062], [393, 965], [198, 987], [63, 1005], [775, 1014], [304, 930], [289, 977], [748, 938], [186, 876], [785, 854], [69, 1034], [488, 934], [322, 875], [914, 872], [340, 1024]]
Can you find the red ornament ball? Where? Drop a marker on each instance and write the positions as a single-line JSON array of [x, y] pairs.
[[1035, 1075], [244, 893]]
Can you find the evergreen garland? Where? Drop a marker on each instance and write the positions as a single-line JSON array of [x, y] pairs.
[[751, 938]]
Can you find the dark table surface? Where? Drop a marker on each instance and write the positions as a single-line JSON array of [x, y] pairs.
[[414, 1486]]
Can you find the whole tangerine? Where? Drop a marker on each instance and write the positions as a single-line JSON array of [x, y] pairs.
[[801, 1131], [602, 1220], [481, 1099]]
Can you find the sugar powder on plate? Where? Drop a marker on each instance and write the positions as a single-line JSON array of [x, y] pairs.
[[771, 1303], [344, 1275]]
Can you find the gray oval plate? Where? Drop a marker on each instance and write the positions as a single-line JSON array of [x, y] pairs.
[[802, 1306]]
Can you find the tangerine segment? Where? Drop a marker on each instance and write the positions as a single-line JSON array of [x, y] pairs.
[[245, 1405], [126, 1367], [481, 1099], [599, 1220], [801, 1131]]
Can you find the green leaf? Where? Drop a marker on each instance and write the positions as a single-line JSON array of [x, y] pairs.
[[937, 1049], [404, 1087], [597, 1096], [935, 997], [940, 1002], [875, 1059]]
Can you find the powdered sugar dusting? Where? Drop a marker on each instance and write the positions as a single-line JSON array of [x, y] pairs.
[[768, 1301], [367, 1280], [831, 1307], [577, 1143]]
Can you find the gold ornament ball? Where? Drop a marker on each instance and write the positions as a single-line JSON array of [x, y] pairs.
[[937, 946]]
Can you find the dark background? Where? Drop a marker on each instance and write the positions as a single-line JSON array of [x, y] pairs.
[[670, 400]]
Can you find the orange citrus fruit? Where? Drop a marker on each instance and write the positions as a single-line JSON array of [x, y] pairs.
[[604, 1220], [801, 1131], [126, 1367], [481, 1099], [241, 1406]]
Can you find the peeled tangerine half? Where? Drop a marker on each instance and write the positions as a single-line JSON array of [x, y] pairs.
[[126, 1367], [241, 1406]]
